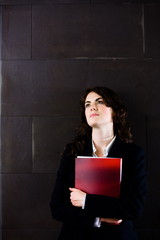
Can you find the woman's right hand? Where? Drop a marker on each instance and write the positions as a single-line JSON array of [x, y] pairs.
[[111, 221]]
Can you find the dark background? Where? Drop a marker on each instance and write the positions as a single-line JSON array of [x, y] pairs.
[[51, 51]]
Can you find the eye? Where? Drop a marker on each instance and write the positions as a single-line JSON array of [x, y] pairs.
[[87, 105], [100, 101]]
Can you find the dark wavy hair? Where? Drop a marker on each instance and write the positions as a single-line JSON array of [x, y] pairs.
[[120, 118]]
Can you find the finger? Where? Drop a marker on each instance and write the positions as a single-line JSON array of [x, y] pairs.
[[119, 221], [75, 203], [73, 189], [73, 196]]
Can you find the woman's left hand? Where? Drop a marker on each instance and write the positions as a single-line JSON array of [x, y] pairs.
[[77, 197], [112, 221]]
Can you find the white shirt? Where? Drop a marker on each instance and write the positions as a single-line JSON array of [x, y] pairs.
[[106, 150]]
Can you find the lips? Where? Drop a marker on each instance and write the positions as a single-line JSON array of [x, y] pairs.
[[94, 115]]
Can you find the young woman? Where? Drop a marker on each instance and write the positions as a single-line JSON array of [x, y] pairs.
[[103, 132]]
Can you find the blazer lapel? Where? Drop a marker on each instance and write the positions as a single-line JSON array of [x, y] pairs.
[[116, 149]]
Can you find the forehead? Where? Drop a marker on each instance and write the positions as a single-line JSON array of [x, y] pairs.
[[92, 96]]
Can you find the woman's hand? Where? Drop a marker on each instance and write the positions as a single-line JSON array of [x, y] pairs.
[[77, 197], [111, 221]]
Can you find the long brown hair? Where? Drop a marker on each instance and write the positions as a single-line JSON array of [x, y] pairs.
[[120, 118]]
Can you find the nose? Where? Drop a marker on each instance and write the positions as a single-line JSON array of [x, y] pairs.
[[93, 107]]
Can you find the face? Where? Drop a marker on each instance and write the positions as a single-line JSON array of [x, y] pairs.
[[96, 111]]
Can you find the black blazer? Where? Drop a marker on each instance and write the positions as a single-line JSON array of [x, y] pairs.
[[79, 223]]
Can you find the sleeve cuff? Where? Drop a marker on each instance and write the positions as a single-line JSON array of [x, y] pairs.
[[97, 222], [84, 200]]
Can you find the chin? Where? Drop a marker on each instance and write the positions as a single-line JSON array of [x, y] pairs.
[[93, 124]]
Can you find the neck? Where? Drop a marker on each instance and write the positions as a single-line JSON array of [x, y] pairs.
[[102, 136]]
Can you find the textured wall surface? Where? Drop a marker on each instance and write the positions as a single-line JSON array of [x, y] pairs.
[[51, 50]]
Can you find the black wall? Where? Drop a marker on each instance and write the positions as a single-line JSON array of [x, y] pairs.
[[51, 51]]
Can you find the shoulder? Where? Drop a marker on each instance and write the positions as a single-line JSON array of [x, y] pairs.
[[134, 158], [136, 149], [68, 150], [132, 149], [76, 148], [66, 158]]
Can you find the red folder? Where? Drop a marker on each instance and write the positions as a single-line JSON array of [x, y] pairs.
[[96, 175]]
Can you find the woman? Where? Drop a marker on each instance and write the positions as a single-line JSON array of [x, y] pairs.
[[103, 132]]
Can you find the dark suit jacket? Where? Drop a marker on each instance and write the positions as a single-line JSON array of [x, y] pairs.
[[78, 223]]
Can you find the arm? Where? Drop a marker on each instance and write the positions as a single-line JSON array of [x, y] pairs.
[[133, 190], [61, 207], [78, 197]]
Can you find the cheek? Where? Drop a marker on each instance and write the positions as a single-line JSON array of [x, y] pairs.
[[109, 113], [86, 114]]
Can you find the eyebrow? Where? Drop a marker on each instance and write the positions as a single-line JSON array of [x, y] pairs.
[[95, 100]]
